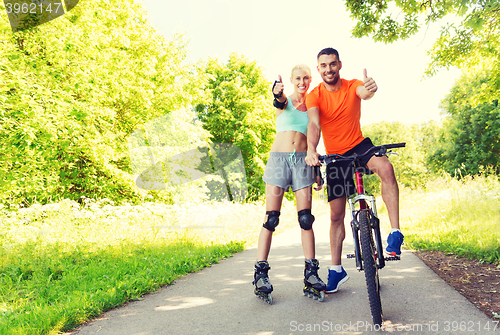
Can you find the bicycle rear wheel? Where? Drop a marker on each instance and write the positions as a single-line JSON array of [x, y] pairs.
[[370, 267]]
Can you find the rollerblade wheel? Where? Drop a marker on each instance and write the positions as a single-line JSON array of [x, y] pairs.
[[321, 296], [265, 297]]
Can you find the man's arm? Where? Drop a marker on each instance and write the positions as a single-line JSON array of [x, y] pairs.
[[313, 136], [367, 91]]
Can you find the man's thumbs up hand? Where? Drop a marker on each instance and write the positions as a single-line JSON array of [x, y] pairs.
[[369, 83]]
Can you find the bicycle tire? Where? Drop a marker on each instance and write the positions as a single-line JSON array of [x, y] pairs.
[[370, 267]]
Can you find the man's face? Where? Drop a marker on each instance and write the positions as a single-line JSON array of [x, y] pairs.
[[329, 67]]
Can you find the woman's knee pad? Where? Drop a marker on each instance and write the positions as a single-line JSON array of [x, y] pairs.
[[306, 219], [273, 219]]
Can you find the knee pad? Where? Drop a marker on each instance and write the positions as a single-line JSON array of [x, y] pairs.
[[273, 219], [306, 219]]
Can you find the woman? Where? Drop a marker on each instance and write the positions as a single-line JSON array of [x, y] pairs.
[[287, 168]]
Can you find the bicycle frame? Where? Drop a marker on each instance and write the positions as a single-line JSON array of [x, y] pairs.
[[367, 203]]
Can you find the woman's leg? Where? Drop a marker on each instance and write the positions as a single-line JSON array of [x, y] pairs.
[[304, 201], [314, 286], [274, 199]]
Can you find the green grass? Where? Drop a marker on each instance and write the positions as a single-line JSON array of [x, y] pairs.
[[64, 264], [458, 217], [61, 265], [46, 289]]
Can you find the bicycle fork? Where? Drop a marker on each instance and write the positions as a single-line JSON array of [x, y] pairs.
[[374, 222]]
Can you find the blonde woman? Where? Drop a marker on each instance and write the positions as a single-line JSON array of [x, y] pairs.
[[285, 169]]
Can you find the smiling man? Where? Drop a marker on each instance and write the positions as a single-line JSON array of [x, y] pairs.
[[334, 109]]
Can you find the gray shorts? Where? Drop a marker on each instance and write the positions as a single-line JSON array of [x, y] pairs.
[[288, 169]]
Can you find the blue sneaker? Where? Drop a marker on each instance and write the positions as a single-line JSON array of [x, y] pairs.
[[394, 241], [335, 279]]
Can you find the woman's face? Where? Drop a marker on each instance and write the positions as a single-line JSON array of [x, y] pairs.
[[301, 79]]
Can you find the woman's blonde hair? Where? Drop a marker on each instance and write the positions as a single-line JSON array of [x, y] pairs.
[[301, 67]]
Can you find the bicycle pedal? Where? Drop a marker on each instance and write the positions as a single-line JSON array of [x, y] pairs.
[[351, 256], [392, 258]]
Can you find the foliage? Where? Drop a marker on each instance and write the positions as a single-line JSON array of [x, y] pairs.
[[410, 164], [163, 155], [475, 39], [72, 90], [470, 137], [459, 216], [236, 109]]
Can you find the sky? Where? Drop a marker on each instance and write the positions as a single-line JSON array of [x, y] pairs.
[[279, 34]]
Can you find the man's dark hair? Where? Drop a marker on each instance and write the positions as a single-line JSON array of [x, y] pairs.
[[329, 51]]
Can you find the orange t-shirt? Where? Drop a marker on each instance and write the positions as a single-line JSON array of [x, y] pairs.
[[339, 115]]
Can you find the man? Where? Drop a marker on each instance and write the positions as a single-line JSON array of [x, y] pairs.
[[334, 109]]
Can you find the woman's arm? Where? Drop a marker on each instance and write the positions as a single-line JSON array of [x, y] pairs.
[[280, 100]]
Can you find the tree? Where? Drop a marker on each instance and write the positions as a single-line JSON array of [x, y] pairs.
[[236, 109], [72, 90], [410, 164], [473, 41], [171, 155], [470, 138]]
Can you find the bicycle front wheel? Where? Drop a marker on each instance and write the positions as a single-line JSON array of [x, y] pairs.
[[370, 267]]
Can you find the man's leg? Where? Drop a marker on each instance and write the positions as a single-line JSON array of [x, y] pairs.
[[390, 194], [389, 187], [336, 274], [337, 228]]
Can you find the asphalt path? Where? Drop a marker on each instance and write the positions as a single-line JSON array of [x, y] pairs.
[[220, 299]]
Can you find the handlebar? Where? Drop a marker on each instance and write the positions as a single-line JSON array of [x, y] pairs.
[[380, 150]]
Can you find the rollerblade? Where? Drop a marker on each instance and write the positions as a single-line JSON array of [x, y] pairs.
[[313, 285], [263, 287]]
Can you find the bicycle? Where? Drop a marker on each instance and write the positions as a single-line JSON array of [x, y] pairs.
[[368, 249]]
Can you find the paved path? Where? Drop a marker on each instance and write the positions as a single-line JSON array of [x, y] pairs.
[[220, 299]]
